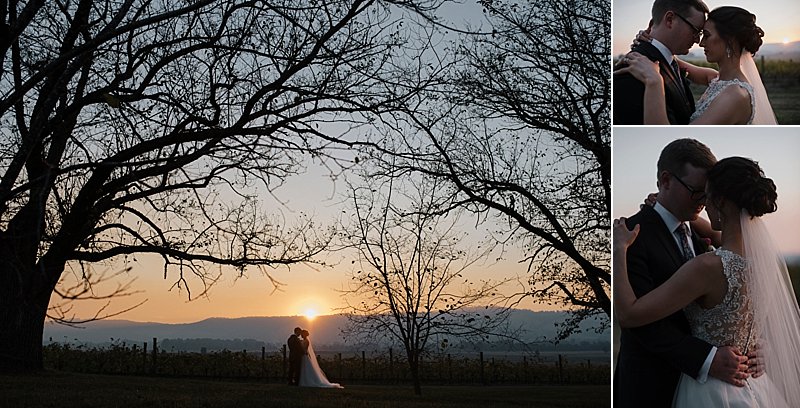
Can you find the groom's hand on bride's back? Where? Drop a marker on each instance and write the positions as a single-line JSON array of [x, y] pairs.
[[755, 361], [729, 365]]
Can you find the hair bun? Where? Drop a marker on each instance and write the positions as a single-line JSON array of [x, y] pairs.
[[742, 182], [762, 197], [736, 23]]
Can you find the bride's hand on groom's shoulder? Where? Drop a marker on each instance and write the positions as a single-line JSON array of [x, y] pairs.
[[641, 68], [642, 36], [624, 237]]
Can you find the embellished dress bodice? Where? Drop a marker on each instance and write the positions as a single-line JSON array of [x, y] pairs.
[[729, 323], [715, 87]]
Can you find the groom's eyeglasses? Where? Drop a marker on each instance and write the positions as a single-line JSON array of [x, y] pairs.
[[697, 31], [696, 195]]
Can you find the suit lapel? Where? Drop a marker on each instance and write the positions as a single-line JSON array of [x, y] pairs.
[[680, 103], [664, 237]]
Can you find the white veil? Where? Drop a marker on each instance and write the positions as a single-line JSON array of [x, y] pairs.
[[762, 109], [776, 315]]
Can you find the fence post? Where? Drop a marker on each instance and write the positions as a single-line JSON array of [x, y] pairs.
[[283, 351], [483, 378], [391, 364], [339, 363], [144, 357], [449, 368], [524, 369], [560, 369], [154, 369], [363, 365], [263, 362]]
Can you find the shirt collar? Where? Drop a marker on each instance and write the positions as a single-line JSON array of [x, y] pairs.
[[663, 50], [670, 220]]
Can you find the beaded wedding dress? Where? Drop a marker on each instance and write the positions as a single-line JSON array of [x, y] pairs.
[[761, 112], [311, 374], [731, 322], [715, 88]]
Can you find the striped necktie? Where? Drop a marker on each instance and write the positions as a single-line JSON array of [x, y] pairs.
[[683, 232]]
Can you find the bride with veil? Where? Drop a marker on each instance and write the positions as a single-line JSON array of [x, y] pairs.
[[740, 294], [311, 374], [735, 94]]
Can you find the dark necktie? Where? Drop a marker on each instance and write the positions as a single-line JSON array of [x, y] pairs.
[[677, 71], [682, 231]]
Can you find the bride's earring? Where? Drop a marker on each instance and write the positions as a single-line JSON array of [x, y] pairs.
[[728, 51]]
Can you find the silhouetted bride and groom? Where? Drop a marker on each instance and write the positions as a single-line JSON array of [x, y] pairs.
[[303, 367]]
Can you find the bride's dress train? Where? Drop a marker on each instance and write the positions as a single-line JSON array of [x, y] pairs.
[[311, 374]]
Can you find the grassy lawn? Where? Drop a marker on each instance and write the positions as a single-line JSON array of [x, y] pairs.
[[59, 389]]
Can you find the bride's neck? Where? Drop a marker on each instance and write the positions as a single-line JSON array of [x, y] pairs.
[[732, 235], [730, 68]]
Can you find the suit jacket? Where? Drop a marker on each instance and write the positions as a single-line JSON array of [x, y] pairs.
[[652, 357], [295, 347], [629, 93]]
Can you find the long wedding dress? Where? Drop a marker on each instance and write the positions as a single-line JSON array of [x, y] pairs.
[[311, 374], [759, 307]]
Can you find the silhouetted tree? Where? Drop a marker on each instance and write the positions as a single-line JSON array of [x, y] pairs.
[[521, 134], [141, 126], [411, 283]]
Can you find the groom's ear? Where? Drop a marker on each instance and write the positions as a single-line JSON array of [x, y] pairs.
[[663, 179]]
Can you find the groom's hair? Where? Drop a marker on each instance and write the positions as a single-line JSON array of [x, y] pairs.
[[682, 7], [297, 330], [679, 152]]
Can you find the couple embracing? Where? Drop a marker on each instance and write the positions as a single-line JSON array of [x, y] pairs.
[[704, 327], [651, 84], [303, 367]]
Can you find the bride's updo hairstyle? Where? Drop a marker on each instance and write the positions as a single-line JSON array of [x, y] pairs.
[[738, 25], [742, 182]]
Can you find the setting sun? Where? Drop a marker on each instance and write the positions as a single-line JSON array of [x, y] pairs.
[[786, 41], [310, 314]]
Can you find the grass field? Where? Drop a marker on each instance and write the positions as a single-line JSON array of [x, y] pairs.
[[60, 389]]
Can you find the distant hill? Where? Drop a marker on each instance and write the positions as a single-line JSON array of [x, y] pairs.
[[275, 330], [778, 51]]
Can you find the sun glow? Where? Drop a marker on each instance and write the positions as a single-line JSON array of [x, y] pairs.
[[786, 41], [310, 314]]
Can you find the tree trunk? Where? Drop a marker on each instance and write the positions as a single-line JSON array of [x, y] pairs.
[[413, 364], [21, 330], [24, 297]]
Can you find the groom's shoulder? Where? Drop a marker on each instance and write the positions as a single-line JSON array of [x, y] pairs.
[[647, 49], [644, 216]]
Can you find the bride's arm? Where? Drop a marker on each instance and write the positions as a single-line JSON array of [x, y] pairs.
[[687, 284], [698, 75], [731, 107], [648, 72], [703, 228]]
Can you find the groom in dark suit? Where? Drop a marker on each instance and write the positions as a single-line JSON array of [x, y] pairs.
[[676, 27], [652, 357], [295, 356]]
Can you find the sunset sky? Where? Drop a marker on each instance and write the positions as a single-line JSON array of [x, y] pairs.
[[636, 150], [306, 288], [778, 19]]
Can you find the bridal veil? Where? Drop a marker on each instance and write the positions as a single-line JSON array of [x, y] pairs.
[[776, 315], [763, 114]]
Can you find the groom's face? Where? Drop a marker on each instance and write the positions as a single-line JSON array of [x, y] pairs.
[[687, 192], [687, 29]]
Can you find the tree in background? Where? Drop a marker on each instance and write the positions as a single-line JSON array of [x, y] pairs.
[[141, 126], [520, 133], [411, 280]]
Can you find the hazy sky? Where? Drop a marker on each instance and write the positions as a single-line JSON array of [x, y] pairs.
[[636, 150], [306, 287], [778, 18]]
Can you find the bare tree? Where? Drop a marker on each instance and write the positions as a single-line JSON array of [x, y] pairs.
[[522, 132], [411, 283], [142, 126]]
